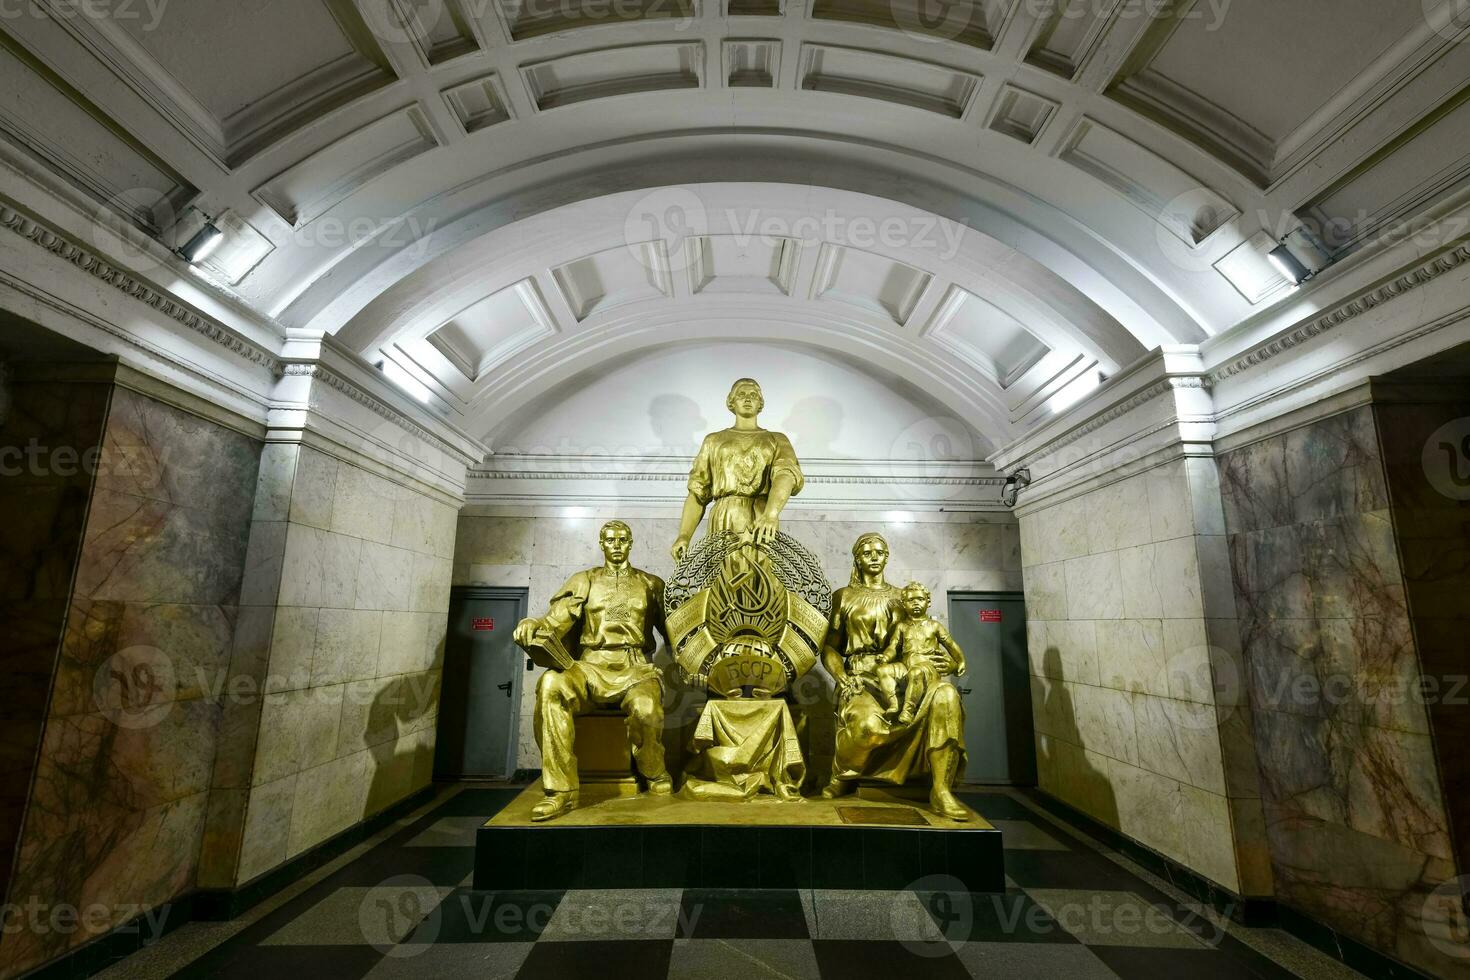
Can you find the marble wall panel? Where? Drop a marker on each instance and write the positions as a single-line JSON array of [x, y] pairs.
[[118, 811], [1134, 652], [46, 506], [1355, 811], [1428, 479], [354, 658]]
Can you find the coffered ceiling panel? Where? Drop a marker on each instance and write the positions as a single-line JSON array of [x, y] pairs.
[[615, 277], [1245, 77], [742, 264], [608, 72], [305, 191], [869, 282], [985, 336], [251, 70], [495, 328], [1071, 33], [60, 126], [874, 75]]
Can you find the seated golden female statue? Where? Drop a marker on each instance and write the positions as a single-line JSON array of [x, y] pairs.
[[746, 472], [865, 615], [609, 615]]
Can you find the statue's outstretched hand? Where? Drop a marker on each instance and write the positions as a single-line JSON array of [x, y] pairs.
[[525, 632], [765, 528], [680, 549]]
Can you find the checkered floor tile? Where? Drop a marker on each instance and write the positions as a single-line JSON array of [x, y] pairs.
[[404, 909]]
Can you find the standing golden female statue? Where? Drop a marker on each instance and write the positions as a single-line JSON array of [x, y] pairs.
[[608, 615], [866, 615], [747, 472]]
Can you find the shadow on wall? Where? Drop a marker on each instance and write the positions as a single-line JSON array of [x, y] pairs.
[[677, 423], [399, 725], [1063, 768], [815, 424]]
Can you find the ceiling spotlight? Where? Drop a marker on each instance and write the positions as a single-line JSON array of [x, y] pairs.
[[1298, 257], [203, 244], [1291, 268], [1015, 483]]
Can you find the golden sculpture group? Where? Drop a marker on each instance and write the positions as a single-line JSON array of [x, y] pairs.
[[749, 615]]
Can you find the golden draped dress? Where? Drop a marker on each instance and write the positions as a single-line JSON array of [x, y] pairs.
[[733, 471], [869, 746]]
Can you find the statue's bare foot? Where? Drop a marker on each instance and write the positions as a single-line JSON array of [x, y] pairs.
[[838, 787], [789, 794], [661, 785], [943, 802], [554, 805]]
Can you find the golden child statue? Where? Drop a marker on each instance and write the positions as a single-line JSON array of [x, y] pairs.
[[919, 654], [609, 615], [747, 472]]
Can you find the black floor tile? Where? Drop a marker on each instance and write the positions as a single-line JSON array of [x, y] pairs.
[[1009, 917], [446, 866], [598, 960], [1136, 963], [468, 916], [1074, 869], [997, 806], [846, 959], [257, 962], [711, 913], [477, 802]]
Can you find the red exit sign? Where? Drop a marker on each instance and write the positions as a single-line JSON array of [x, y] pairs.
[[483, 625], [990, 615]]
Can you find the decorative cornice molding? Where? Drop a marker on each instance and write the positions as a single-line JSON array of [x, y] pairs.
[[1122, 408], [1345, 312], [64, 248], [869, 480], [335, 381]]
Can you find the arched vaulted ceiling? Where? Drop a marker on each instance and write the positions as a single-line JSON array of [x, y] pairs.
[[996, 201]]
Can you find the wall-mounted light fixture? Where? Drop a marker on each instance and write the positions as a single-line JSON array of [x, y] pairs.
[[1299, 256], [1015, 483], [202, 245]]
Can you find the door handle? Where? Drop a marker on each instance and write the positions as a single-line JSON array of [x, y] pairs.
[[504, 687]]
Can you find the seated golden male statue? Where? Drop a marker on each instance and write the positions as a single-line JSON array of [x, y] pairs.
[[608, 615]]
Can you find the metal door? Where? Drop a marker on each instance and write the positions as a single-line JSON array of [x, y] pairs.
[[479, 707], [999, 738]]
